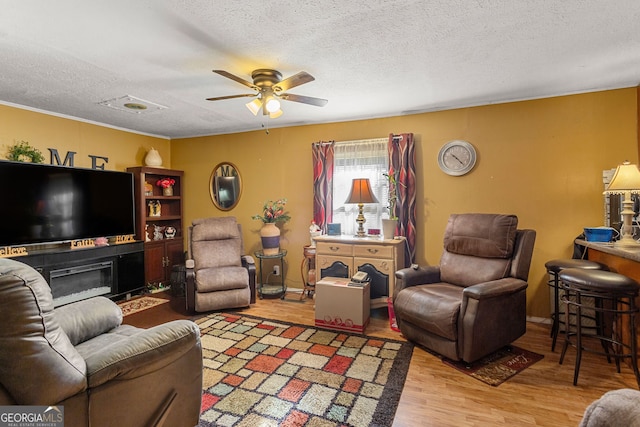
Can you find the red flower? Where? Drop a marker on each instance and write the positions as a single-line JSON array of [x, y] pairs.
[[166, 182]]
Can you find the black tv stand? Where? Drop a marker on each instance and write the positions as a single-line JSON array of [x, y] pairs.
[[76, 274]]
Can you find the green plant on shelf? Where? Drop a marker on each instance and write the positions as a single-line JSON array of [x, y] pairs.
[[23, 152]]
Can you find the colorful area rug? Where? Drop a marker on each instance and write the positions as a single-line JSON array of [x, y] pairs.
[[138, 304], [498, 367], [259, 372]]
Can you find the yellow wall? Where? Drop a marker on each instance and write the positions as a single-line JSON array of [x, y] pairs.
[[42, 131], [541, 160]]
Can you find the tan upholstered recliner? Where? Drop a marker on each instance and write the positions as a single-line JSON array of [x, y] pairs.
[[81, 357], [219, 276], [474, 302]]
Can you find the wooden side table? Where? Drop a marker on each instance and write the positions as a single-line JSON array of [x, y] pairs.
[[308, 270]]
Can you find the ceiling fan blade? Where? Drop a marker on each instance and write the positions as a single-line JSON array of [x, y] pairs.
[[296, 80], [318, 102], [236, 78], [218, 98]]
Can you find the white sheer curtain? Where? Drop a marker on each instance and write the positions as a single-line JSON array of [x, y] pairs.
[[360, 159]]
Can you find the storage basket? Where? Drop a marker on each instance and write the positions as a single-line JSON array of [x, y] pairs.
[[598, 234]]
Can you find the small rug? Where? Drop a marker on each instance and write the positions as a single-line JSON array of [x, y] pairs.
[[138, 304], [260, 372], [497, 367]]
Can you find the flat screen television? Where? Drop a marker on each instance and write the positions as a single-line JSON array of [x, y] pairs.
[[46, 204]]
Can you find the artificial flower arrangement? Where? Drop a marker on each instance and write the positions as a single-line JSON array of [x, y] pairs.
[[273, 212], [166, 182], [393, 194]]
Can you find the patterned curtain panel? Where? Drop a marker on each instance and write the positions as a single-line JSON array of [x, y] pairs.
[[323, 155], [402, 165]]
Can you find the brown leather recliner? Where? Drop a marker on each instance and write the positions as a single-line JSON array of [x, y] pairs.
[[219, 276], [81, 357], [474, 302]]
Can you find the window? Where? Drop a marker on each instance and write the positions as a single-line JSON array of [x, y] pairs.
[[360, 159]]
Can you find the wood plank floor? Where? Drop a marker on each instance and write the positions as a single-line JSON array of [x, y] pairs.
[[436, 395]]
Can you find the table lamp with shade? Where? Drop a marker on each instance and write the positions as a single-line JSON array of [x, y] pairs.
[[361, 193], [626, 181]]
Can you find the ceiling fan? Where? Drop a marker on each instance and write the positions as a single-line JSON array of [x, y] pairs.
[[270, 88]]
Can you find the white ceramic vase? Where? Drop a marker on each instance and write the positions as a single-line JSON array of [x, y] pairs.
[[153, 158], [312, 236]]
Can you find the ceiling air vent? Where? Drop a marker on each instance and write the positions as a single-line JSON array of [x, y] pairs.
[[131, 104]]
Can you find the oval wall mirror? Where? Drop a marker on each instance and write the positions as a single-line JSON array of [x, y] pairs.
[[225, 186]]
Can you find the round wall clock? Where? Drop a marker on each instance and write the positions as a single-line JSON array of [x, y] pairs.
[[457, 157]]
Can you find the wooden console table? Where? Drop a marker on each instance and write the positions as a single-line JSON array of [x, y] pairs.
[[343, 256], [624, 261]]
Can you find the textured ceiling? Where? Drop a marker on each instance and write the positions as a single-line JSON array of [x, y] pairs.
[[370, 58]]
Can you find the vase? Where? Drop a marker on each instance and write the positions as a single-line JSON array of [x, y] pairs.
[[389, 228], [270, 236], [153, 158], [167, 191], [148, 189], [313, 235]]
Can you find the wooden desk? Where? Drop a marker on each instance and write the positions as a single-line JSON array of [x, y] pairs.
[[619, 260]]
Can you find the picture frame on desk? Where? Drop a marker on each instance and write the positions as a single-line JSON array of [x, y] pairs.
[[334, 229]]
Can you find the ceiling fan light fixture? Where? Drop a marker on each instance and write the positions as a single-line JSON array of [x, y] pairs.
[[272, 105], [270, 89], [275, 114], [255, 106]]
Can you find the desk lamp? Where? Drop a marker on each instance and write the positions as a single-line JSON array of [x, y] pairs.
[[625, 181], [361, 193]]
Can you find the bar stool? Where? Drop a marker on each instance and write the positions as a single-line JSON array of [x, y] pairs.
[[554, 267], [615, 296]]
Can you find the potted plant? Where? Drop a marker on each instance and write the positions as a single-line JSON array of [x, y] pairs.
[[23, 152], [390, 225], [272, 213], [167, 186]]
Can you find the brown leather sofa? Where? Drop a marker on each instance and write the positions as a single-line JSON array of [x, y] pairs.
[[219, 276], [474, 302], [81, 357]]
